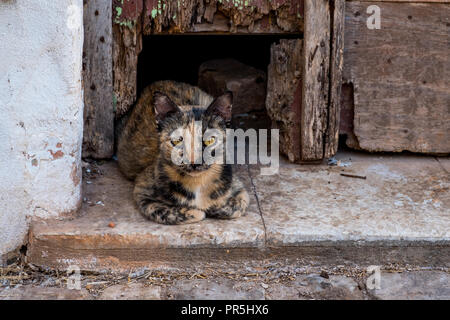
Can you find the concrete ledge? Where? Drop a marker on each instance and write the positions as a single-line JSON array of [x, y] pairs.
[[386, 198], [307, 215], [46, 254]]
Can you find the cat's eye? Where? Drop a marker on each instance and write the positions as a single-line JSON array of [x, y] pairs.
[[176, 142], [210, 141]]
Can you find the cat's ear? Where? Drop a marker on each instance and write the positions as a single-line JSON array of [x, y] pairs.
[[222, 106], [164, 107]]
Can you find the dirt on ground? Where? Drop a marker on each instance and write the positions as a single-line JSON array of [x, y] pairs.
[[20, 280]]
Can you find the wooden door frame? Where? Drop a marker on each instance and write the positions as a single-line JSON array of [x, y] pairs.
[[319, 94]]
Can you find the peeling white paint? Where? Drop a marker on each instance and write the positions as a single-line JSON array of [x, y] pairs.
[[41, 104]]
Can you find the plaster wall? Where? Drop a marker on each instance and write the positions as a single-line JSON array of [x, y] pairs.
[[41, 106]]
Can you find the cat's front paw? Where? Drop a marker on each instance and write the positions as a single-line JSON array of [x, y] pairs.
[[239, 204], [193, 216], [235, 207]]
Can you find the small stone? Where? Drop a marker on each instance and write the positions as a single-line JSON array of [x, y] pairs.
[[248, 84], [265, 286]]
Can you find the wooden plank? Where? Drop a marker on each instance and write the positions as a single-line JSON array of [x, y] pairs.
[[400, 76], [284, 87], [127, 45], [235, 16], [316, 70], [98, 138], [336, 68]]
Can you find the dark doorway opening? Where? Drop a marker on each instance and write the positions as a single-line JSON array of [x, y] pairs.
[[179, 57]]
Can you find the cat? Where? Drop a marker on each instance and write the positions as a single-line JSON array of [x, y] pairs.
[[165, 192]]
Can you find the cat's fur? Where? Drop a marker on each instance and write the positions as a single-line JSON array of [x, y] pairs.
[[165, 192]]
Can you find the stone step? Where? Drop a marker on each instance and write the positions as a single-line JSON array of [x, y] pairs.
[[304, 215]]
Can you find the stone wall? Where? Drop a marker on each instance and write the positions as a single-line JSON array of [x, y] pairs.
[[42, 113]]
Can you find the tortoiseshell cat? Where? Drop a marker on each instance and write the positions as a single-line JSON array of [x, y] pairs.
[[164, 191]]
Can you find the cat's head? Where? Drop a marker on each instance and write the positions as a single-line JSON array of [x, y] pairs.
[[192, 138]]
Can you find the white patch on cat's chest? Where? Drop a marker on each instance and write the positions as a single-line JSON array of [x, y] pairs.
[[197, 193], [201, 198]]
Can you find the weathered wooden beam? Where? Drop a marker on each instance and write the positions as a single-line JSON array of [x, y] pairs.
[[336, 68], [316, 84], [236, 16], [127, 44], [98, 132], [284, 94], [400, 75]]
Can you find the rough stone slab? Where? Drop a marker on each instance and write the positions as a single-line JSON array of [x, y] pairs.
[[402, 204], [39, 293], [421, 285], [309, 287], [131, 291], [402, 198], [248, 84], [411, 284], [89, 242], [221, 289]]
